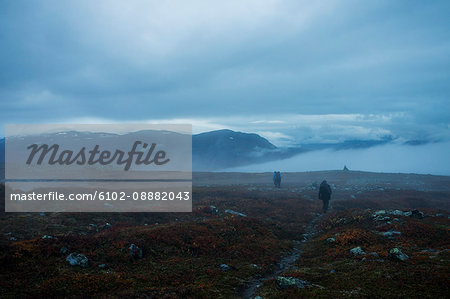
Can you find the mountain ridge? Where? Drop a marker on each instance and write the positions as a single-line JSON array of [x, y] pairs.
[[222, 149]]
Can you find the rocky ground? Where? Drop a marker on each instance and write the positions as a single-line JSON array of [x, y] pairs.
[[380, 239], [351, 181], [372, 254]]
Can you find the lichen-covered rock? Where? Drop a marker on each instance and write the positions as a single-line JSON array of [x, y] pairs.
[[235, 213], [77, 259], [381, 218], [213, 210], [135, 251], [391, 234], [290, 282], [378, 213], [397, 254], [357, 251], [105, 226], [397, 213], [417, 214], [331, 240], [224, 267]]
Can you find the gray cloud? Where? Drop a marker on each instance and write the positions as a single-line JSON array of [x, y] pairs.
[[212, 61], [424, 159]]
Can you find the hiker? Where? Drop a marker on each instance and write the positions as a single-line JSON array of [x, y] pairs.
[[275, 178], [325, 194], [278, 179]]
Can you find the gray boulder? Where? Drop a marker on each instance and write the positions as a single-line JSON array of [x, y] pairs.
[[135, 252], [381, 218], [396, 213], [331, 240], [290, 282], [235, 213], [378, 213], [106, 226], [77, 259], [224, 267], [357, 251], [417, 214], [397, 254], [391, 234]]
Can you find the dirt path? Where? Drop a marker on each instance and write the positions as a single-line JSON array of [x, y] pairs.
[[285, 264]]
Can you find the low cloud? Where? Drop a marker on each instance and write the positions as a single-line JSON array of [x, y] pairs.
[[424, 159], [295, 71], [299, 129]]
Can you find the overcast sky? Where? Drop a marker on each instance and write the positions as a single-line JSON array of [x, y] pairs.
[[293, 71]]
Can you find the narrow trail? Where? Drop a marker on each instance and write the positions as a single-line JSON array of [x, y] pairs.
[[285, 264]]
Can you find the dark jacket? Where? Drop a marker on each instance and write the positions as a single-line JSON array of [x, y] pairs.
[[324, 191]]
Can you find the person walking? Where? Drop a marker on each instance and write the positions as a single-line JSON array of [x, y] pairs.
[[325, 195], [275, 178]]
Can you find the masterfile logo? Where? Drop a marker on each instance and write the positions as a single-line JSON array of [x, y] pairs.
[[96, 156], [98, 168]]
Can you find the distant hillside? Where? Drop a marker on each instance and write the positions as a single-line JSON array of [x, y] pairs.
[[225, 148], [222, 149], [214, 150]]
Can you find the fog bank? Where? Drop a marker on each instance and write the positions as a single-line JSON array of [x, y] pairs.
[[433, 158]]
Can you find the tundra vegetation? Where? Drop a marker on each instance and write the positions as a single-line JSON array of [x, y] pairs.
[[215, 253]]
